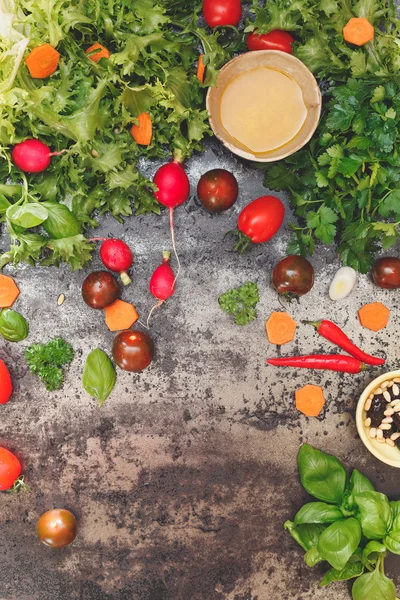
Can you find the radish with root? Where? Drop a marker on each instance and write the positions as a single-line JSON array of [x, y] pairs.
[[32, 156], [162, 282], [173, 190], [116, 256]]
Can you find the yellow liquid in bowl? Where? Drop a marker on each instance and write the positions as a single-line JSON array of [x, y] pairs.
[[263, 109]]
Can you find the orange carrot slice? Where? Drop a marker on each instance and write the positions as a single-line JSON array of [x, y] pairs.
[[280, 328], [103, 52], [358, 31], [42, 61], [120, 315], [374, 316], [201, 69], [143, 131], [9, 291], [310, 400]]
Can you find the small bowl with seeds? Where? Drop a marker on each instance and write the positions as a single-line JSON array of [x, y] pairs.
[[378, 418]]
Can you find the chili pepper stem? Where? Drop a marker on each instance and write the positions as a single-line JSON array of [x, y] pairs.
[[316, 324]]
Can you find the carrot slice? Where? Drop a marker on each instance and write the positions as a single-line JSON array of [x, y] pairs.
[[374, 316], [358, 31], [201, 69], [143, 131], [9, 291], [310, 400], [42, 61], [280, 328], [120, 315], [103, 52]]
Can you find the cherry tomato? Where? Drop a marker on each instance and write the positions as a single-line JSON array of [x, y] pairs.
[[386, 272], [274, 40], [293, 276], [217, 190], [57, 528], [6, 387], [259, 221], [100, 289], [133, 350], [219, 13], [10, 469]]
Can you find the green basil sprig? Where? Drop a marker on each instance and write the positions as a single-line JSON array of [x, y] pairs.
[[13, 326], [322, 475], [374, 586], [98, 378]]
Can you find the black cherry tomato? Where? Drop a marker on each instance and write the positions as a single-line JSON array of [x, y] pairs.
[[57, 528], [100, 289], [133, 350], [386, 272], [293, 276], [217, 190]]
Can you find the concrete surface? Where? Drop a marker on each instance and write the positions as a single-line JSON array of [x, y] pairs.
[[183, 479]]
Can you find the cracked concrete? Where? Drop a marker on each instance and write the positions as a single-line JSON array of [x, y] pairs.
[[182, 481]]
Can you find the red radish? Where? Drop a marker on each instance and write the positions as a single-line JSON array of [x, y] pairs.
[[162, 282], [32, 156], [173, 190], [116, 256], [6, 387]]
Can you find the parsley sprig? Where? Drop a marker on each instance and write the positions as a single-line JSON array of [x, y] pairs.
[[241, 303], [47, 360]]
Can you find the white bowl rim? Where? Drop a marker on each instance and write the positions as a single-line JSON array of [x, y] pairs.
[[360, 417]]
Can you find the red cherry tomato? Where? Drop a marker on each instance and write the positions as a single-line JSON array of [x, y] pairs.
[[219, 13], [274, 40], [260, 220], [133, 350], [217, 190], [6, 387], [386, 272], [57, 528], [10, 469]]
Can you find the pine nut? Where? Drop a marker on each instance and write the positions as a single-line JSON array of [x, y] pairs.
[[395, 436], [395, 390], [378, 391], [390, 383], [396, 379], [367, 422], [390, 442], [394, 403], [389, 412], [382, 440], [385, 426], [368, 404], [396, 408], [60, 299], [387, 396], [379, 434], [384, 385], [387, 420], [372, 432]]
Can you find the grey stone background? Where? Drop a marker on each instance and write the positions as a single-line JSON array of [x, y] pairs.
[[183, 479]]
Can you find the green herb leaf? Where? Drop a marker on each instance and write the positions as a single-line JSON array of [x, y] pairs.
[[46, 361], [339, 541], [60, 222], [375, 514], [13, 326], [306, 535], [350, 571], [392, 541], [372, 552], [318, 512], [374, 586], [241, 302], [322, 475], [99, 376], [27, 215]]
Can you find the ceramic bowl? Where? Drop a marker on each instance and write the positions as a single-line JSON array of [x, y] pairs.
[[285, 63], [388, 455]]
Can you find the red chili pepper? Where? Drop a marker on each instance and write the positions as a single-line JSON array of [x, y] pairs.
[[5, 384], [330, 362], [333, 333], [274, 40]]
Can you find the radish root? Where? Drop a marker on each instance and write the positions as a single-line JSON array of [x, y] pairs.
[[171, 223], [151, 312]]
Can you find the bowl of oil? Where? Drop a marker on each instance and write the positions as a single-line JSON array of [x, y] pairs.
[[266, 105]]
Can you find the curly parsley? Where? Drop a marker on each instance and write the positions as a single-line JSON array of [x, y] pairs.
[[46, 361], [241, 303]]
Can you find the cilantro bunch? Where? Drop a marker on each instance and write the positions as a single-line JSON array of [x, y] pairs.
[[86, 110], [47, 360], [241, 303]]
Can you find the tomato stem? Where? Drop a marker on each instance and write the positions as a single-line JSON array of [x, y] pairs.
[[19, 485]]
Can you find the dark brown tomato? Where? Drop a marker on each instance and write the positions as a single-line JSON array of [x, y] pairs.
[[217, 190], [133, 350], [386, 273], [57, 528], [100, 289], [293, 276]]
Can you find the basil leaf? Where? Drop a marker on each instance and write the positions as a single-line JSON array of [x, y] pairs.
[[395, 508], [392, 541], [375, 514], [374, 586], [358, 484], [372, 551], [306, 535], [60, 222], [313, 557], [13, 326], [27, 215], [318, 512], [99, 376], [339, 542], [351, 570], [322, 475]]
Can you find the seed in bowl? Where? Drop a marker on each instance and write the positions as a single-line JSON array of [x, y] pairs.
[[383, 414]]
